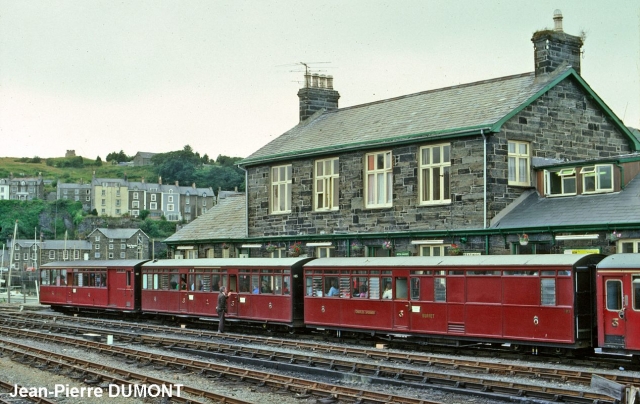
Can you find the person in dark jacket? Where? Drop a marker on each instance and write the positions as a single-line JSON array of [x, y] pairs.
[[222, 308]]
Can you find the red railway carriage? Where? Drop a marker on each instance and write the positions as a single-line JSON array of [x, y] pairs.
[[110, 285], [539, 300], [618, 303], [263, 290]]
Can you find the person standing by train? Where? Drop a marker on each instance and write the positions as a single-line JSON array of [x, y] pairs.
[[222, 308]]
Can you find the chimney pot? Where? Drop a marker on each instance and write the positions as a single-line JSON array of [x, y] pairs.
[[330, 82], [557, 20], [315, 77], [322, 82]]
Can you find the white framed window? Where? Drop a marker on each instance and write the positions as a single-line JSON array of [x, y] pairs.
[[17, 256], [123, 246], [597, 178], [96, 255], [76, 254], [123, 255], [52, 254], [435, 174], [629, 246], [519, 163], [111, 246], [170, 207], [26, 256], [135, 195], [135, 204], [281, 182], [65, 255], [187, 201], [96, 238], [153, 197], [433, 250], [110, 255], [97, 246], [378, 179], [153, 205], [326, 184], [561, 182], [170, 198], [88, 198], [324, 252]]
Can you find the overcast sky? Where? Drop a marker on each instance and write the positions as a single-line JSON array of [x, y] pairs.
[[222, 76]]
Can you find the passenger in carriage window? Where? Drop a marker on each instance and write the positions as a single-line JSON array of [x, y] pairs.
[[334, 291], [363, 291], [256, 290], [387, 291], [285, 288]]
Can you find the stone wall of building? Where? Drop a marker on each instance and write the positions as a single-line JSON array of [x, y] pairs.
[[563, 124]]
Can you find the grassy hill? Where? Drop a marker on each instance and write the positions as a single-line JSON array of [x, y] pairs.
[[59, 169]]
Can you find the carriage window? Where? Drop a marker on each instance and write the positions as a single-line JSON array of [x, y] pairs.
[[415, 288], [520, 273], [440, 289], [331, 286], [266, 284], [374, 288], [215, 283], [548, 291], [174, 282], [635, 286], [255, 284], [285, 285], [360, 287], [401, 288], [245, 282], [386, 288], [614, 295]]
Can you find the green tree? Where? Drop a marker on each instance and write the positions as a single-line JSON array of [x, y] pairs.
[[177, 165], [218, 177], [119, 157]]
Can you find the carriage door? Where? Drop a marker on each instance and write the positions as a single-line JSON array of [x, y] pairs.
[[632, 315], [232, 300], [614, 311], [185, 293], [401, 304]]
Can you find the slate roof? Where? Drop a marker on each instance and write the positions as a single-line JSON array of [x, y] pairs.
[[54, 244], [601, 209], [226, 220], [117, 233], [441, 113]]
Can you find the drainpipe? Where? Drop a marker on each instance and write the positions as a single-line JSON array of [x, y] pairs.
[[246, 200], [484, 178]]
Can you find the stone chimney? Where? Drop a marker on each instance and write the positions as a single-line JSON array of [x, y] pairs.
[[317, 93], [554, 48]]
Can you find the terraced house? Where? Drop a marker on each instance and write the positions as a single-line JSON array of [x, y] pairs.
[[450, 171]]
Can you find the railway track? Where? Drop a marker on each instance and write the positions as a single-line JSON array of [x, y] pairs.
[[388, 374], [418, 359]]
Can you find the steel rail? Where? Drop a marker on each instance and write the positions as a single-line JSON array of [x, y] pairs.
[[213, 370]]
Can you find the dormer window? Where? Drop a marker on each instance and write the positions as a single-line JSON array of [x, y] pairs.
[[592, 180], [561, 182], [597, 178]]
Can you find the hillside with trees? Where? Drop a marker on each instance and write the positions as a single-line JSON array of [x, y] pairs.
[[55, 219]]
